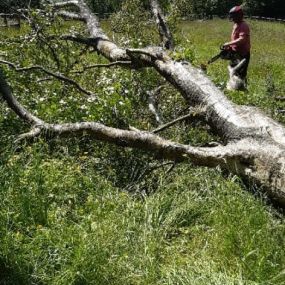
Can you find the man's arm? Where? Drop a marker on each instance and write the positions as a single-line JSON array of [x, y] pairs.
[[239, 41], [244, 34]]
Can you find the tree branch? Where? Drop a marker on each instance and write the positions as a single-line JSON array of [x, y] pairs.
[[169, 124], [53, 74], [116, 63], [207, 156], [69, 16], [164, 31], [33, 133], [154, 53], [100, 42], [65, 4], [137, 139], [152, 103], [15, 105]]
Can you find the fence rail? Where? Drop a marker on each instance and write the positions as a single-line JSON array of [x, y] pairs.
[[266, 19], [209, 17], [16, 19]]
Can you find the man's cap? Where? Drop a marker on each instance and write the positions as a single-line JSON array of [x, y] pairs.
[[236, 10]]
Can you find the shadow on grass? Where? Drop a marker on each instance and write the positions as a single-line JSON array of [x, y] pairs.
[[10, 275]]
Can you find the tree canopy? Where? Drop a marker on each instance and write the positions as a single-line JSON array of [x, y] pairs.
[[270, 8], [10, 6]]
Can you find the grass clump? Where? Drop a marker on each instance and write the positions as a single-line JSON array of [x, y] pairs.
[[62, 224]]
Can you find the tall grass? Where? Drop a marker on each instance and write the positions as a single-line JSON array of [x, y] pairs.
[[63, 224]]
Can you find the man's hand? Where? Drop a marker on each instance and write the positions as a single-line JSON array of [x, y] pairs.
[[226, 45]]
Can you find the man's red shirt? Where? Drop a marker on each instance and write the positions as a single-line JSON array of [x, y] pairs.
[[241, 29]]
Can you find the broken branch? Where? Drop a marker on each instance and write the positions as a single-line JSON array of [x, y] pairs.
[[193, 114], [164, 31], [116, 63], [53, 74]]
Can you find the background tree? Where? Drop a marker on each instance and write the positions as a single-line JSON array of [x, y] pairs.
[[197, 8], [104, 7], [9, 6], [269, 8]]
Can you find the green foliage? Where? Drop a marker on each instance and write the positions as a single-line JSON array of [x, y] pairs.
[[103, 7], [184, 53], [125, 22], [202, 8], [271, 8]]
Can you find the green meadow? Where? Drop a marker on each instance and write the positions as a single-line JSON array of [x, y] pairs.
[[77, 211]]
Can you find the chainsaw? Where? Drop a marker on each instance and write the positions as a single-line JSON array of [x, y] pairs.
[[225, 53]]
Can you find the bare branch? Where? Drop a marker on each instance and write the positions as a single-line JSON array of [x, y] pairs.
[[65, 4], [200, 114], [12, 15], [163, 28], [152, 103], [169, 124], [153, 52], [69, 15], [44, 79], [33, 133], [53, 74], [15, 105], [116, 63], [211, 157], [101, 42]]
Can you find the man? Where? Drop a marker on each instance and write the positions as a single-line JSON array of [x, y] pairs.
[[240, 39]]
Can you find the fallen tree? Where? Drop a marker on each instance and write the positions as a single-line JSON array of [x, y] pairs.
[[253, 144]]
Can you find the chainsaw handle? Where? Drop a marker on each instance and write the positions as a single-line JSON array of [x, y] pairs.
[[227, 48]]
